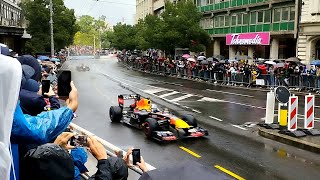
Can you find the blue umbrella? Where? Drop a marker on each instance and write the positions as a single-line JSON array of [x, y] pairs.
[[315, 62], [43, 58], [55, 59]]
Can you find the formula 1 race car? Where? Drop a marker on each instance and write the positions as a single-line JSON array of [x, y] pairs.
[[83, 68], [156, 124]]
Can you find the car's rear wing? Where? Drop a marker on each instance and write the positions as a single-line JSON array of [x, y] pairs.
[[123, 97]]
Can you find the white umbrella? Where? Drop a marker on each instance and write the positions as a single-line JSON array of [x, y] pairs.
[[201, 58], [270, 62], [191, 59]]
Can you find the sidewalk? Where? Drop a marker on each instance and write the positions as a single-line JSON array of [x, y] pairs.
[[309, 143]]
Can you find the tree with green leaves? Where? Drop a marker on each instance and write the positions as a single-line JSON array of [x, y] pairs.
[[177, 27], [38, 15], [123, 37], [182, 27], [91, 29]]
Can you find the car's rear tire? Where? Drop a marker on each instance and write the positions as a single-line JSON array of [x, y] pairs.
[[115, 113], [191, 120], [150, 126]]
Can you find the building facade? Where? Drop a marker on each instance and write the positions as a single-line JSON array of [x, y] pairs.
[[11, 24], [309, 31], [256, 28], [153, 7]]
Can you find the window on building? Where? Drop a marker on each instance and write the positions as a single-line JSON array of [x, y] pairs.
[[221, 21], [260, 17], [246, 18], [216, 21], [233, 20], [226, 21], [267, 16], [240, 19], [276, 15], [292, 13], [253, 17], [285, 14]]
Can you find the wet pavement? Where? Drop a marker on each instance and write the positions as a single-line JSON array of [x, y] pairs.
[[223, 111]]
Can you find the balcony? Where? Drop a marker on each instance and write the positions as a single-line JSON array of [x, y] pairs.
[[237, 4], [268, 27]]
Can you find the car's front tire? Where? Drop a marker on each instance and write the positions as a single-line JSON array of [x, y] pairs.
[[191, 120], [115, 113], [150, 126]]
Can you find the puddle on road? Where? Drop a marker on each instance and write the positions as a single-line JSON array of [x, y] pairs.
[[282, 153]]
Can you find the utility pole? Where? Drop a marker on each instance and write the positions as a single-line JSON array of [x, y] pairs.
[[51, 28], [94, 45]]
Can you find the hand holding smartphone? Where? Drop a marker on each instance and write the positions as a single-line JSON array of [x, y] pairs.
[[136, 156], [64, 80], [79, 141], [45, 86]]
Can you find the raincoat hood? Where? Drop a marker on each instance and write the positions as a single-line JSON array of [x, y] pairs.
[[48, 161], [10, 79]]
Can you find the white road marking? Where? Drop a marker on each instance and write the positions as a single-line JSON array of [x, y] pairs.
[[244, 95], [181, 98], [153, 91], [237, 126], [210, 100], [215, 118], [194, 110], [186, 107], [169, 94]]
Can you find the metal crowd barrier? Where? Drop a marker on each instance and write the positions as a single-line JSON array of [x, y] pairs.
[[298, 82]]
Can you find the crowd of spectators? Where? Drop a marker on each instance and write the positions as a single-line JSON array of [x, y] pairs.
[[35, 127], [263, 73]]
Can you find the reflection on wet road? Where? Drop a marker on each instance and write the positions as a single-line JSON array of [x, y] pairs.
[[231, 146]]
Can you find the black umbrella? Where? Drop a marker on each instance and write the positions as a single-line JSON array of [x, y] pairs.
[[211, 59], [189, 170], [220, 57], [204, 62]]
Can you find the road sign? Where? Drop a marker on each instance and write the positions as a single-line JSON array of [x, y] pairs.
[[309, 112], [282, 94], [293, 113]]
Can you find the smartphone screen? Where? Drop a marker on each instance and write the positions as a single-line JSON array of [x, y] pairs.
[[45, 86], [136, 156], [64, 79], [79, 141]]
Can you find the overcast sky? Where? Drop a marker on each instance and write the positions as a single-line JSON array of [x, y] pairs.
[[114, 10]]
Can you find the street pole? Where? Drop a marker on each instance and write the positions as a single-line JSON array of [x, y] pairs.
[[94, 45], [51, 28]]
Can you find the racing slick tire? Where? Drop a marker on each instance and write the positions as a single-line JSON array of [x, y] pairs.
[[150, 126], [191, 120], [115, 113]]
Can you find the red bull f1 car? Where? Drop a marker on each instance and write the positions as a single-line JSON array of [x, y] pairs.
[[157, 124]]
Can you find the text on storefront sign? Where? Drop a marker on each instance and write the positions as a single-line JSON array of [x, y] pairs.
[[259, 38]]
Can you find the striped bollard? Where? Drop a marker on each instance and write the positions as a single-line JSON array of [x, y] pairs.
[[293, 113], [309, 116], [309, 112]]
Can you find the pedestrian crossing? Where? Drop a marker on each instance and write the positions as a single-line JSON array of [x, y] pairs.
[[176, 96]]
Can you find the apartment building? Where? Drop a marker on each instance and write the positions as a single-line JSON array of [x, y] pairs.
[[309, 31], [145, 7], [257, 28], [11, 24]]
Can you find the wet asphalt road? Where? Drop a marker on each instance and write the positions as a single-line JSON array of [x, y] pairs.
[[223, 111]]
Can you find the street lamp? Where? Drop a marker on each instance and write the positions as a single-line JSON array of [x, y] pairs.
[[51, 27]]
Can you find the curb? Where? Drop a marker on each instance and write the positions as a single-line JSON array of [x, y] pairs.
[[290, 140]]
